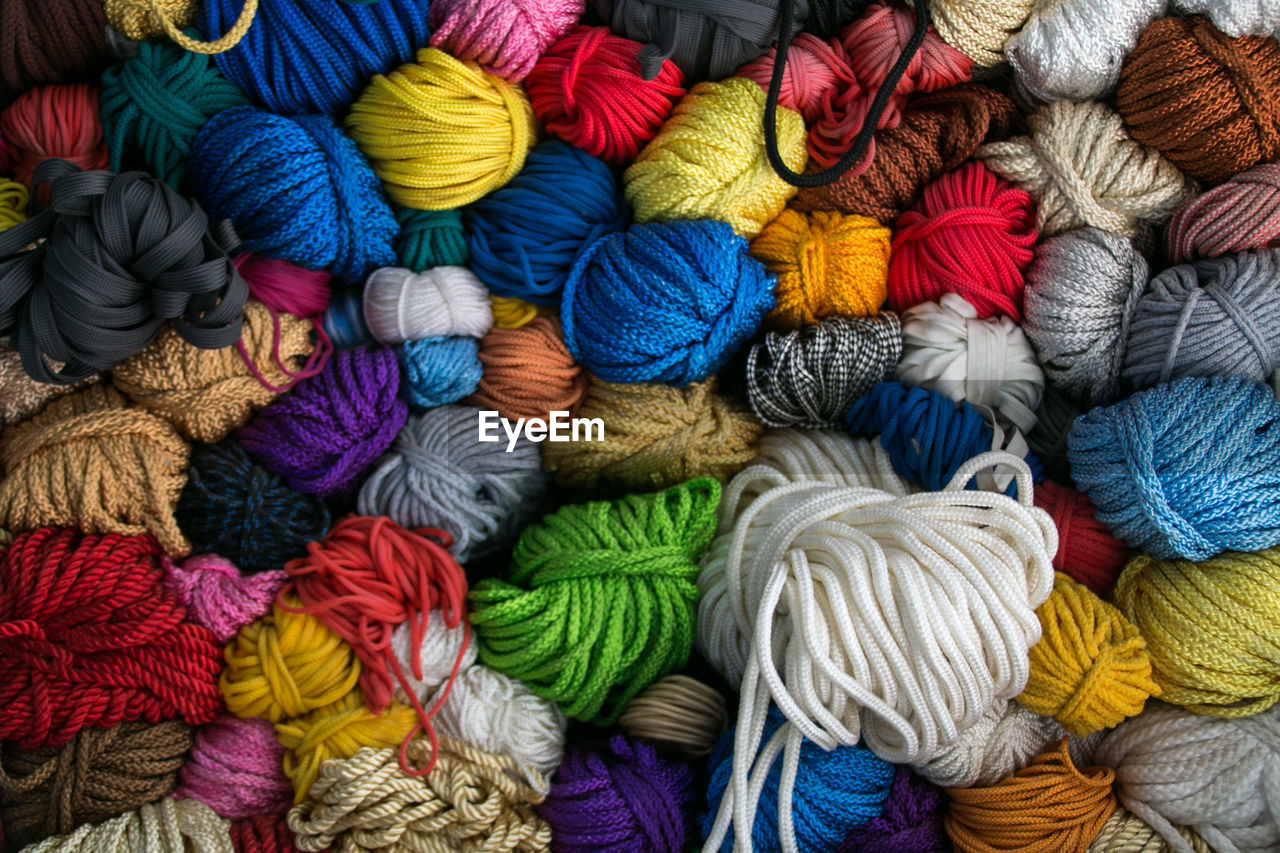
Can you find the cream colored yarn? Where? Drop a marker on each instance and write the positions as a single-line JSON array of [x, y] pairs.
[[1125, 832], [680, 712], [165, 826], [979, 28], [20, 395]]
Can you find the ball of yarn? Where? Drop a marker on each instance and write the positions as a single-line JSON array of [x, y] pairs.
[[436, 474], [1202, 99], [92, 638], [1083, 168], [53, 122], [58, 41], [325, 211], [322, 436], [678, 712], [970, 233], [400, 305], [438, 371], [1087, 552], [664, 302], [99, 774], [811, 376], [281, 286], [1243, 213], [708, 160], [20, 395], [91, 461], [587, 89], [1082, 290], [815, 69], [13, 201], [505, 39], [626, 567], [528, 372], [168, 825], [827, 265], [218, 597], [1235, 17], [624, 794], [655, 436], [980, 29], [442, 133], [1125, 832], [1186, 469], [431, 238], [263, 834], [524, 237], [154, 104], [343, 321], [235, 769], [911, 820], [438, 650]]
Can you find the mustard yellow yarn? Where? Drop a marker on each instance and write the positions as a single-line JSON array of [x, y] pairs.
[[708, 161], [13, 204], [1212, 628], [1090, 669], [441, 133], [144, 19], [511, 313]]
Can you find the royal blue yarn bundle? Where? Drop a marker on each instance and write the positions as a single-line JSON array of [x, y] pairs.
[[525, 236], [439, 371], [1187, 469], [297, 189], [664, 302]]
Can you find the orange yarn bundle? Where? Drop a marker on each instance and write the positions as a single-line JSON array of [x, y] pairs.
[[57, 121], [528, 372]]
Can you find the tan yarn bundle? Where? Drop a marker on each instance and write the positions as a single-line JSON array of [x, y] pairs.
[[1125, 832], [679, 712], [92, 461], [165, 826], [980, 28], [20, 395]]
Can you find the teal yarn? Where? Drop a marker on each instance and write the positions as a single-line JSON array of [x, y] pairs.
[[343, 321], [438, 371], [297, 189], [664, 302], [430, 238], [525, 236], [1186, 469], [154, 104]]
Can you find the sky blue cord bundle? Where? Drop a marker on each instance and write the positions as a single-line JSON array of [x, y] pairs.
[[305, 56], [835, 792], [525, 236], [1186, 469], [664, 302], [297, 189], [343, 320], [430, 238], [437, 371]]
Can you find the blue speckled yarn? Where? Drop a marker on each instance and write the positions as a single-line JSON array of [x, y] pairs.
[[315, 55], [430, 238], [664, 302], [928, 436], [525, 236], [1186, 469], [436, 371], [343, 320], [835, 792], [297, 189]]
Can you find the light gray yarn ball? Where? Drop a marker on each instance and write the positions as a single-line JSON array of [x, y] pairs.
[[1236, 17]]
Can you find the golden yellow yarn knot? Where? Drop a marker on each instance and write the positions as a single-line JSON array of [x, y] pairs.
[[827, 265], [511, 313], [1090, 670], [709, 161], [144, 19], [13, 204]]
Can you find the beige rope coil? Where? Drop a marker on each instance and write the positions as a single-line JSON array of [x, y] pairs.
[[678, 711]]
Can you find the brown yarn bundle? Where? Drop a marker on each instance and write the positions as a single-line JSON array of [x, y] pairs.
[[101, 773], [678, 712], [92, 461], [207, 393], [1125, 832], [655, 436], [1208, 102], [939, 131], [528, 372], [20, 395], [51, 41]]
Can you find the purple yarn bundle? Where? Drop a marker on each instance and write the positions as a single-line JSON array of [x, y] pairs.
[[911, 821], [321, 436], [624, 798]]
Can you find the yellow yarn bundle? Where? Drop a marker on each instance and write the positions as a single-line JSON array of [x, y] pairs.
[[709, 162], [827, 265], [441, 133], [144, 19], [1212, 628], [1090, 669], [13, 204], [511, 313]]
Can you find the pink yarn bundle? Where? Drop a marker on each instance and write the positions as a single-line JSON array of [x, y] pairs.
[[816, 69], [236, 768], [281, 286], [505, 37], [1241, 214], [218, 596]]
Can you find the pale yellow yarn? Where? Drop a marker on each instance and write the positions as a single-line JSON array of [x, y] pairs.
[[1125, 832], [13, 204], [979, 28], [144, 19], [168, 825]]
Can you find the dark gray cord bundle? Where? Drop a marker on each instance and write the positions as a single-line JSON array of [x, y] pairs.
[[1048, 439]]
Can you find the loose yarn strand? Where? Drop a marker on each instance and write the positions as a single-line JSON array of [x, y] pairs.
[[228, 40]]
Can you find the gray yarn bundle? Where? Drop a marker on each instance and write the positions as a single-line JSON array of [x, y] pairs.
[[1048, 439], [1236, 18], [437, 474]]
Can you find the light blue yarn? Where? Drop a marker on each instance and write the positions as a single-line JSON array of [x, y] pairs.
[[343, 320], [437, 371], [1187, 469], [297, 189], [664, 302], [525, 236], [835, 792]]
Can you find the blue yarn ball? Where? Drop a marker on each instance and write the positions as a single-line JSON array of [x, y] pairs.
[[306, 56], [835, 793], [664, 302], [525, 237], [343, 321], [438, 371], [297, 189], [928, 435], [1186, 469]]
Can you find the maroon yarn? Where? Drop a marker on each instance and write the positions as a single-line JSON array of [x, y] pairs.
[[263, 834], [911, 821], [51, 41]]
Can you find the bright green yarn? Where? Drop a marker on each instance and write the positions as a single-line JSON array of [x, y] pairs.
[[602, 601], [430, 238]]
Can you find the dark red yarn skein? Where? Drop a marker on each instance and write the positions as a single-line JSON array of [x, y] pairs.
[[1086, 549], [51, 41], [263, 834]]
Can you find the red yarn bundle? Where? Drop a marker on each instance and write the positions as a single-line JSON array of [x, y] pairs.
[[263, 834], [970, 233], [59, 121], [91, 636], [1086, 549], [1241, 214], [587, 90], [816, 69]]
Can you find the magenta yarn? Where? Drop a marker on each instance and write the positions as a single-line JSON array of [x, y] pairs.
[[218, 596], [326, 432], [281, 286], [911, 821], [236, 768], [505, 37]]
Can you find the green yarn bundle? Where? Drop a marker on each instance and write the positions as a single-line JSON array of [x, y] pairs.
[[430, 238], [602, 598]]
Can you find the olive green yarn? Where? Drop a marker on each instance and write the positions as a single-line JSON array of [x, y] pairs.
[[602, 600], [431, 238]]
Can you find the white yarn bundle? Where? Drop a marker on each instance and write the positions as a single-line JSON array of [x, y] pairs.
[[1236, 18], [437, 656], [166, 826], [1218, 777], [401, 305]]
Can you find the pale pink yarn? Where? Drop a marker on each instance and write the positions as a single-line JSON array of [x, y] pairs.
[[236, 768], [815, 69], [505, 37], [218, 597], [1243, 213]]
